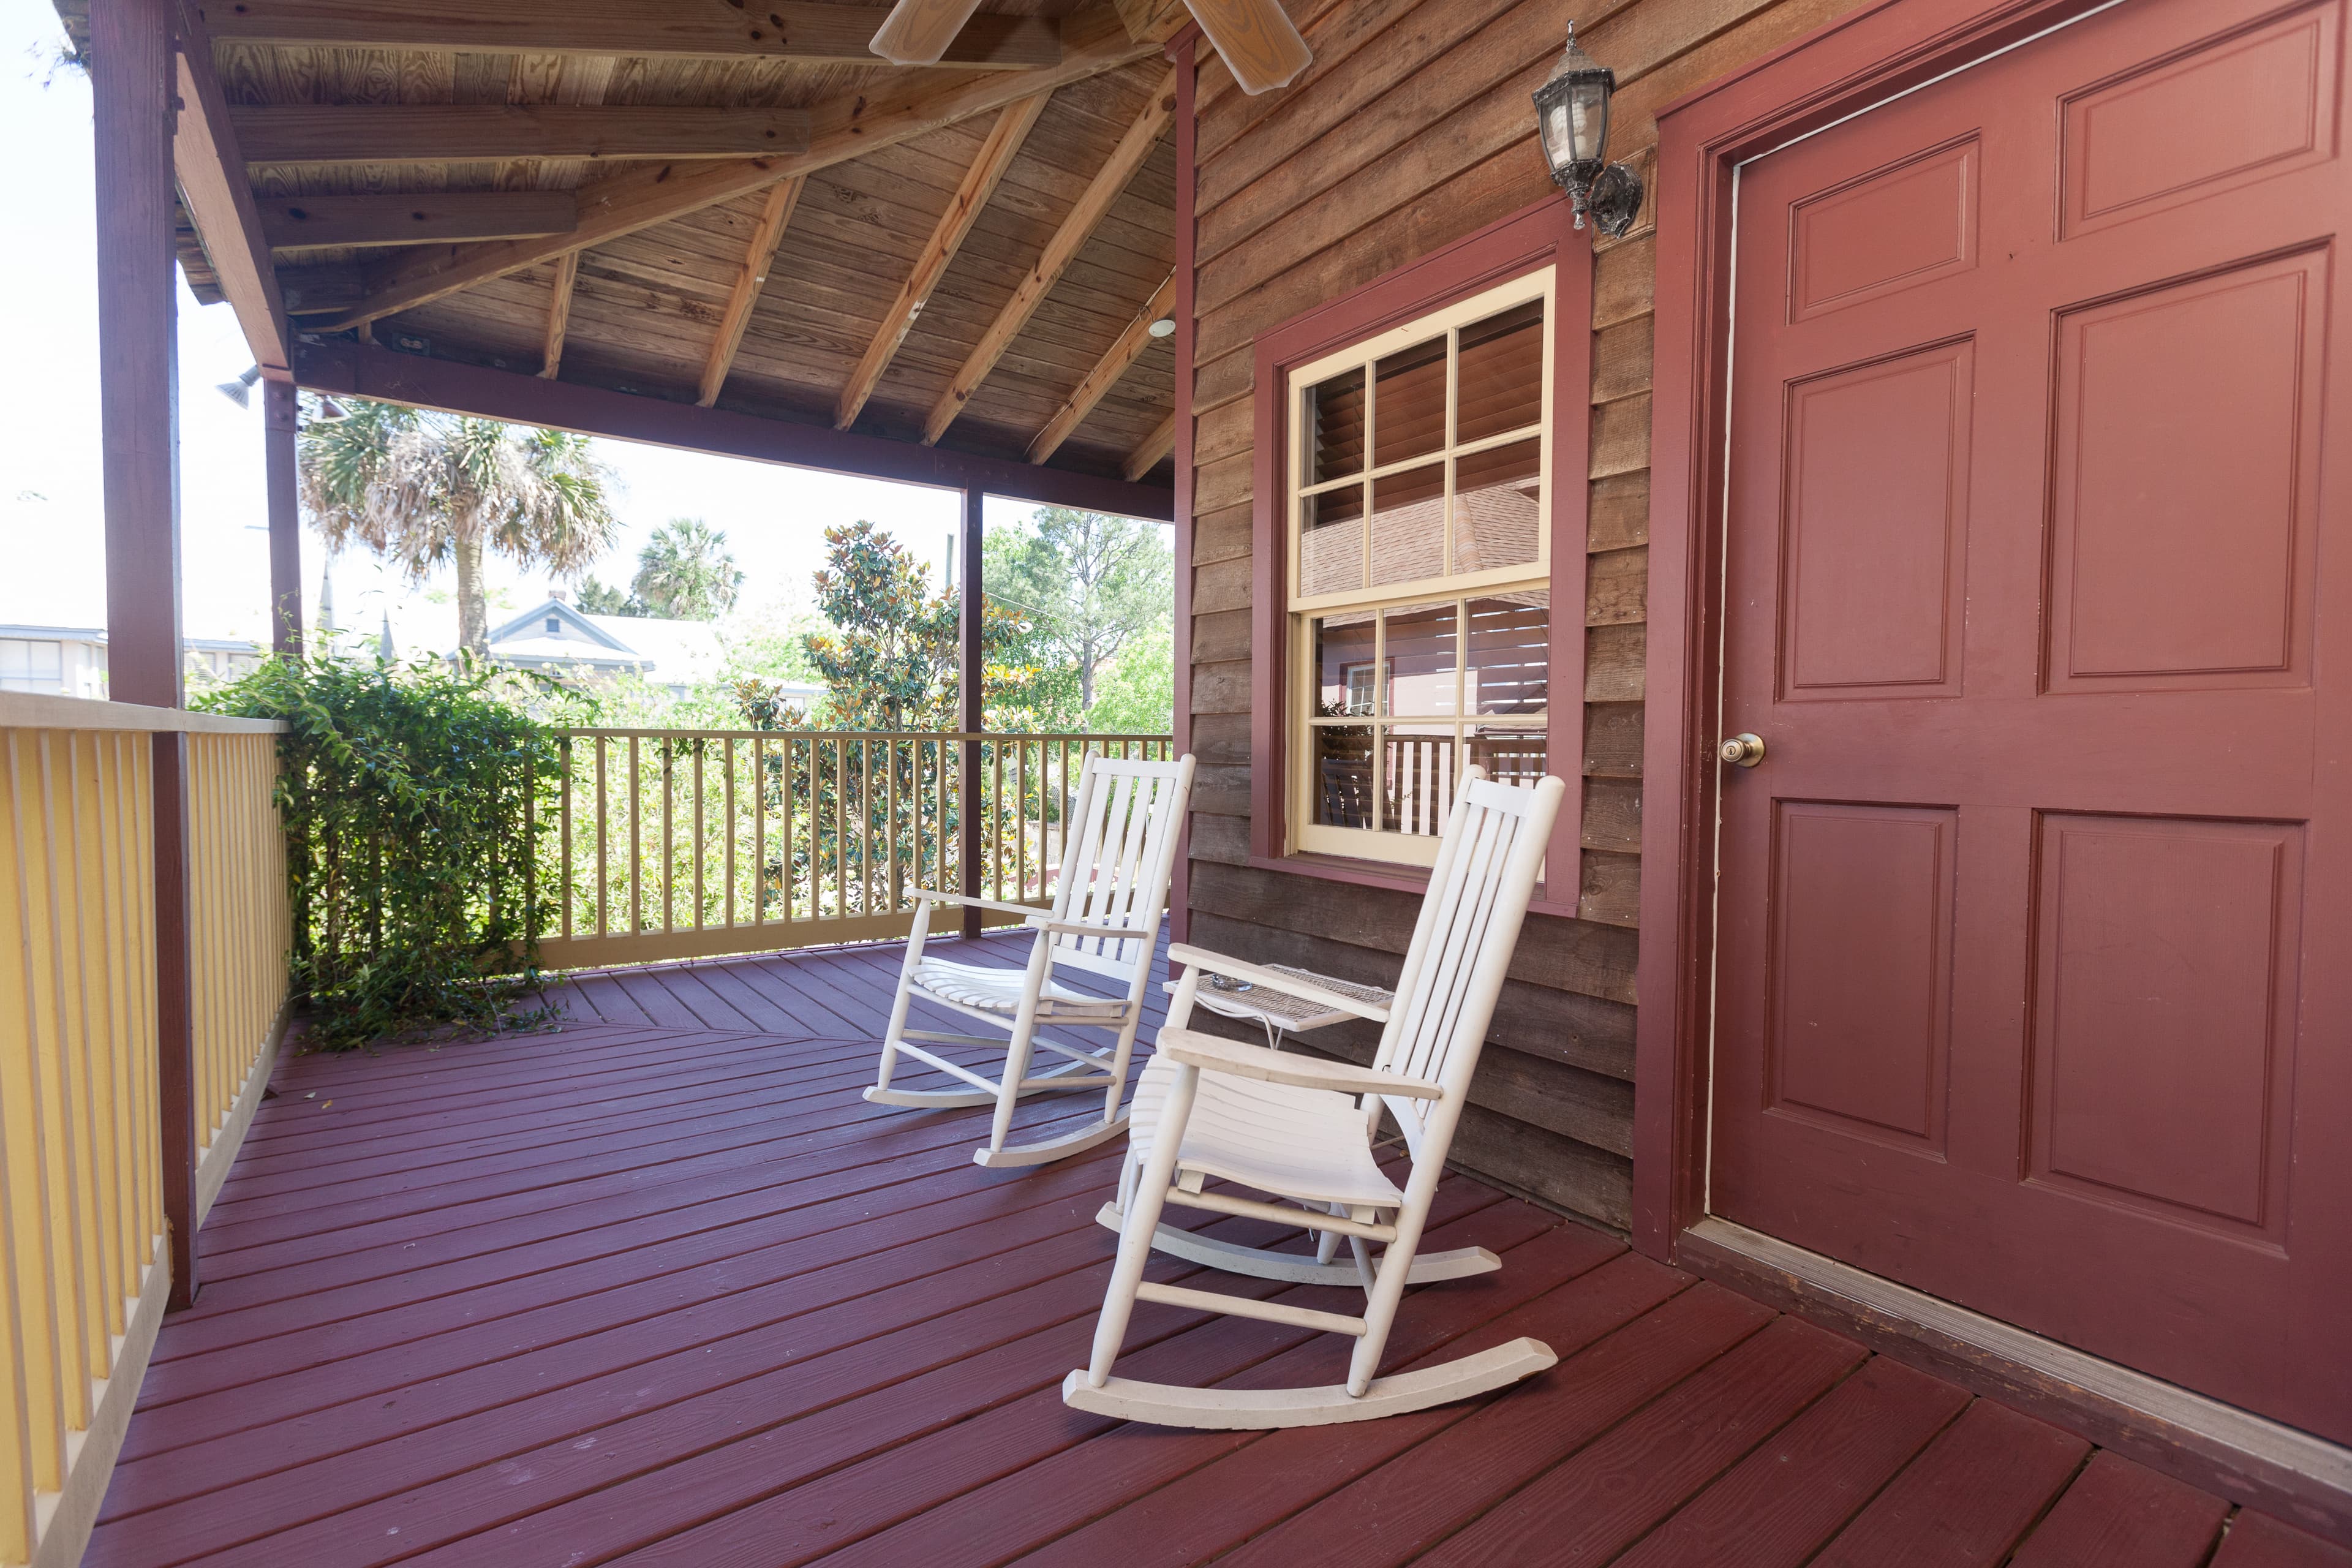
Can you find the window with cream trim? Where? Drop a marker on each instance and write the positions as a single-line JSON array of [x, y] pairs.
[[1419, 571]]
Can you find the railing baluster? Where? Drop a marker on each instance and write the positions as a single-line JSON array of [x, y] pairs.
[[698, 832], [730, 830], [669, 754], [564, 881], [636, 843]]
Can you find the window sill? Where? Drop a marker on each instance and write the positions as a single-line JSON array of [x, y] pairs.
[[1381, 874]]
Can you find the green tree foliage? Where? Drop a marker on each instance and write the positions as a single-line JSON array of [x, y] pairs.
[[1138, 694], [1089, 587], [403, 791], [424, 489], [598, 599], [686, 572]]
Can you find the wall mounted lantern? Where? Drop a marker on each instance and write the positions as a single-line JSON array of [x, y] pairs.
[[1572, 118]]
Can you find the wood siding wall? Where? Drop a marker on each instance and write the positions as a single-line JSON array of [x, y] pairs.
[[1413, 129]]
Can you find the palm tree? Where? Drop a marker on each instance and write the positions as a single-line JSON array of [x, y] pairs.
[[424, 488], [687, 573]]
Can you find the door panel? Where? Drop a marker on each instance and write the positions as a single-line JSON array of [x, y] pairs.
[[2033, 923]]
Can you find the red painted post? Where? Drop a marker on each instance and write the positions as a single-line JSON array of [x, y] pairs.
[[133, 75], [281, 422], [971, 698], [1181, 52]]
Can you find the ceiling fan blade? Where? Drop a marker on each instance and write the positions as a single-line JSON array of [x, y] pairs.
[[1260, 47], [918, 32]]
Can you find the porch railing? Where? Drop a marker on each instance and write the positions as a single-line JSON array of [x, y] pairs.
[[84, 1271], [674, 844]]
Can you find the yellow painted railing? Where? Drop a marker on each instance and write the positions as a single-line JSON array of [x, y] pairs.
[[674, 844], [83, 1261]]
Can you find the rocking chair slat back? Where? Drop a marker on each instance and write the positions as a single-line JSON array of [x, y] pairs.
[[1128, 818]]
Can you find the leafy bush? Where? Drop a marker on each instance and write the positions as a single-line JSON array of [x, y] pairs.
[[403, 791]]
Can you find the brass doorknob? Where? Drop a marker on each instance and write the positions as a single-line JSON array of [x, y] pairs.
[[1746, 750]]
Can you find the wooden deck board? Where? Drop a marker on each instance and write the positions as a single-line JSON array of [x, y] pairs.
[[639, 1289]]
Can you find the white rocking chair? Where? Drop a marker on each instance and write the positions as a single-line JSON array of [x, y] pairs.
[[1105, 920], [1302, 1128]]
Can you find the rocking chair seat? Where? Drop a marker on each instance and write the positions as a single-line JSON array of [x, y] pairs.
[[1305, 1143], [999, 991]]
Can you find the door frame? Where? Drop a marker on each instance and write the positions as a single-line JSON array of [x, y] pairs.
[[1843, 69]]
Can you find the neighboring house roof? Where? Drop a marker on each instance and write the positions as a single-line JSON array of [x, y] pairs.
[[98, 635], [555, 632]]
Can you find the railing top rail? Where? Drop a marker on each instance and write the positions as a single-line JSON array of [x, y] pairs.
[[868, 734], [39, 711]]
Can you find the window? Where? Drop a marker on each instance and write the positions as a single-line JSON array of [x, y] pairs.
[[555, 625], [30, 666], [1419, 571]]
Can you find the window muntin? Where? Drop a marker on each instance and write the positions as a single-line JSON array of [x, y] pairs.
[[26, 665], [1420, 580]]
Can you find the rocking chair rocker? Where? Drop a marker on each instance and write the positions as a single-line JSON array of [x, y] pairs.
[[1302, 1128], [1105, 920]]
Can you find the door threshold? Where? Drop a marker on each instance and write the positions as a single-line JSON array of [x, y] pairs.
[[2261, 1464]]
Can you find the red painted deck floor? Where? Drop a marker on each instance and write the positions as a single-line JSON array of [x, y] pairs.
[[661, 1289]]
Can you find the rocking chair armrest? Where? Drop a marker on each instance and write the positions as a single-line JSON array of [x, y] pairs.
[[1274, 980], [971, 902], [1110, 929], [1212, 1054]]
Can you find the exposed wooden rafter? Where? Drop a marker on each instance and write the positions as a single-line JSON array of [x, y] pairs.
[[210, 169], [1108, 181], [996, 153], [1105, 374], [436, 217], [464, 132], [559, 313], [905, 105], [709, 30], [757, 256], [1148, 451]]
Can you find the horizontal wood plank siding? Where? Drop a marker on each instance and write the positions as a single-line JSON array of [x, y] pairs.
[[1412, 129]]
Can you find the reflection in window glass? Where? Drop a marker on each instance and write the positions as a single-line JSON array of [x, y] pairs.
[[1497, 506], [1335, 428], [1417, 774], [1331, 540], [1509, 756], [1409, 525], [1422, 642], [1501, 374], [1344, 650], [1509, 667], [1409, 404], [1341, 771]]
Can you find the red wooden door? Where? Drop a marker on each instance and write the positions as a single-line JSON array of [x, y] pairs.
[[2036, 920]]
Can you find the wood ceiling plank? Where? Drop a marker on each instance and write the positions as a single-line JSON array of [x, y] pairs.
[[416, 219], [904, 106], [1105, 374], [710, 29], [559, 313], [1150, 449], [774, 218], [1012, 127], [211, 171], [454, 133], [1128, 157]]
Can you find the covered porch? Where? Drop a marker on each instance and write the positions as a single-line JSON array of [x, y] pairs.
[[660, 1288]]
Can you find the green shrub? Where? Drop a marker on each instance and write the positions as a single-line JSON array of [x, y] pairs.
[[403, 791]]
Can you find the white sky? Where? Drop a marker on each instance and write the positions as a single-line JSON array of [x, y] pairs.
[[52, 550]]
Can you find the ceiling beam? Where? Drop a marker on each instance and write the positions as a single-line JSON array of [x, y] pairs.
[[1108, 181], [292, 223], [559, 314], [757, 258], [341, 369], [210, 168], [705, 29], [466, 132], [905, 105], [979, 184], [1150, 449], [1105, 374]]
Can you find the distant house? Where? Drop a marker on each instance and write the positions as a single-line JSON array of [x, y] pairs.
[[70, 661], [557, 636]]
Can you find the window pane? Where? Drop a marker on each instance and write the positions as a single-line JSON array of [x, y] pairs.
[[1424, 649], [1409, 525], [1502, 374], [1331, 540], [1343, 662], [1509, 756], [1341, 756], [1418, 769], [1409, 414], [1510, 653], [1335, 428], [1497, 506]]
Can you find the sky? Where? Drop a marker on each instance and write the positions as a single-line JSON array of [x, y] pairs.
[[51, 518]]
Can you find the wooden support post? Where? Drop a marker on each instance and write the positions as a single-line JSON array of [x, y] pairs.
[[133, 81], [1182, 54], [281, 424], [970, 696]]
